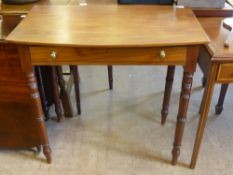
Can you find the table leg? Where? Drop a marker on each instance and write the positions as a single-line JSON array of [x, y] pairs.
[[58, 107], [65, 98], [219, 106], [201, 106], [38, 111], [75, 73], [204, 112], [167, 93], [189, 69], [110, 77], [44, 101], [47, 152], [35, 99]]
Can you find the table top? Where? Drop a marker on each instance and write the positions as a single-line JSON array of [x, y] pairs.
[[218, 35], [111, 25]]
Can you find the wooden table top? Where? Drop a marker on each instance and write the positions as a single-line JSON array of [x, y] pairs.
[[218, 35], [111, 25]]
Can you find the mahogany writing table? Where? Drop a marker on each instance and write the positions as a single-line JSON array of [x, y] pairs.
[[110, 35]]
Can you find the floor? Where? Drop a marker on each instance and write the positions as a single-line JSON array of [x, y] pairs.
[[119, 131]]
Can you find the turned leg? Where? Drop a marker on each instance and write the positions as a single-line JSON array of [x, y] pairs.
[[75, 73], [47, 152], [181, 118], [204, 113], [189, 69], [36, 104], [110, 77], [219, 106], [44, 101], [65, 98], [35, 99], [167, 93], [58, 108]]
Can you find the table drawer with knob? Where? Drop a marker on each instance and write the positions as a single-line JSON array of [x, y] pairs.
[[111, 56], [225, 73]]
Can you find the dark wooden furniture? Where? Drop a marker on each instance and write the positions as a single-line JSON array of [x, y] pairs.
[[62, 95], [44, 91], [9, 22], [219, 105], [160, 46], [19, 127]]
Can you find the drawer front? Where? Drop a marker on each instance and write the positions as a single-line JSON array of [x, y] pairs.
[[110, 56], [225, 73]]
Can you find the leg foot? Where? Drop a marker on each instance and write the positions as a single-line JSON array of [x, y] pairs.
[[219, 106], [175, 153], [218, 109], [47, 153]]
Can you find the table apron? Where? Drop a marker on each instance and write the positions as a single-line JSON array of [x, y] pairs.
[[41, 55]]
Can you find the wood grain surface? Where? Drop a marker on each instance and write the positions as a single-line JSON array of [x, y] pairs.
[[109, 56], [218, 37], [109, 26]]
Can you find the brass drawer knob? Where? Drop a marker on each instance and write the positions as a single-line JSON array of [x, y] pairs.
[[162, 54], [22, 16], [53, 55]]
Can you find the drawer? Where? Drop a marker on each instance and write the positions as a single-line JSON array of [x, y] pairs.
[[108, 56], [225, 73]]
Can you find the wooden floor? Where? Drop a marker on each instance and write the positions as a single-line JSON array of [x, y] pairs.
[[119, 131]]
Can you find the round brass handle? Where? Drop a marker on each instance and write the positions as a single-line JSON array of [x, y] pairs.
[[162, 54], [53, 55]]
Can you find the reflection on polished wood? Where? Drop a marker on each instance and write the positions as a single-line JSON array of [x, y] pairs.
[[109, 26]]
